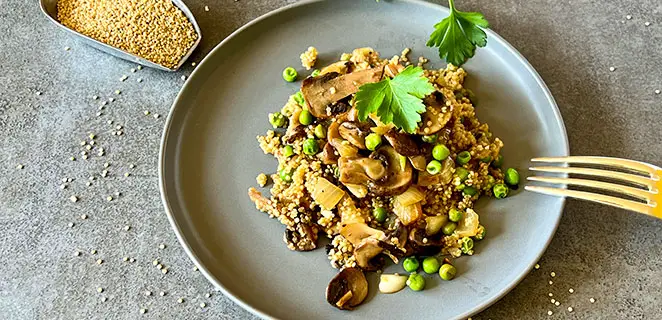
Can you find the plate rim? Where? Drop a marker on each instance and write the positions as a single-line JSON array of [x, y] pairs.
[[169, 119]]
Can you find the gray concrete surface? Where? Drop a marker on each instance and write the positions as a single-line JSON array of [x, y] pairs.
[[603, 253]]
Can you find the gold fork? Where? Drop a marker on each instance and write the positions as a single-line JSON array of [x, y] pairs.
[[647, 178]]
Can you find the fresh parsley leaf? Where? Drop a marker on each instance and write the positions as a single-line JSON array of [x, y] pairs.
[[397, 100], [457, 35]]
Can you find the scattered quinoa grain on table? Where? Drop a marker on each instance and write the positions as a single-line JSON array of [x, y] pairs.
[[152, 29]]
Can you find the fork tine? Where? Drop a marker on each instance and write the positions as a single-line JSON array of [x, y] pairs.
[[627, 177], [634, 192], [599, 198], [614, 162]]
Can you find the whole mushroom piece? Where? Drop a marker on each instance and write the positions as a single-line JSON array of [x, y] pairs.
[[347, 289]]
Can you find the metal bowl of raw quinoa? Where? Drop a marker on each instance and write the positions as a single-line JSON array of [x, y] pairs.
[[210, 158]]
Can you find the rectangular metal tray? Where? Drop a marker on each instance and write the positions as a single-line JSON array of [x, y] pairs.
[[49, 8]]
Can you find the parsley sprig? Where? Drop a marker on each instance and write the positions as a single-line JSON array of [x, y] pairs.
[[397, 100], [457, 35]]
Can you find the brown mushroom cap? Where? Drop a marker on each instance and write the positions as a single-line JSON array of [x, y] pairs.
[[322, 91], [403, 143], [347, 289]]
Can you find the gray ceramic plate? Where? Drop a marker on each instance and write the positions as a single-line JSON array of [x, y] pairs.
[[209, 159]]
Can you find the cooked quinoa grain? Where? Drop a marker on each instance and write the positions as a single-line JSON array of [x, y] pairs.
[[152, 29], [334, 193], [309, 58], [262, 179]]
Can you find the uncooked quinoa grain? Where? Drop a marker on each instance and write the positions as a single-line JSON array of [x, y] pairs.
[[153, 29]]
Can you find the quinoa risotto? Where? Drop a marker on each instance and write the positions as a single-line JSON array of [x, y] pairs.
[[374, 190]]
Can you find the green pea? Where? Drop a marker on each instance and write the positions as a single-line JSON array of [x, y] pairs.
[[481, 233], [430, 139], [380, 214], [447, 272], [460, 187], [511, 177], [462, 173], [431, 265], [336, 172], [285, 175], [290, 74], [487, 159], [440, 152], [500, 190], [455, 215], [277, 120], [320, 131], [449, 228], [434, 167], [372, 141], [416, 282], [315, 73], [305, 117], [298, 98], [288, 151], [467, 245], [463, 157], [311, 147], [498, 162], [410, 264], [469, 191]]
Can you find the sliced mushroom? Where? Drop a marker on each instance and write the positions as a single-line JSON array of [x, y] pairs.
[[355, 133], [403, 143], [295, 129], [360, 170], [421, 244], [329, 155], [320, 92], [339, 67], [357, 232], [343, 147], [303, 238], [365, 253], [347, 289], [398, 236], [433, 119], [398, 177]]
